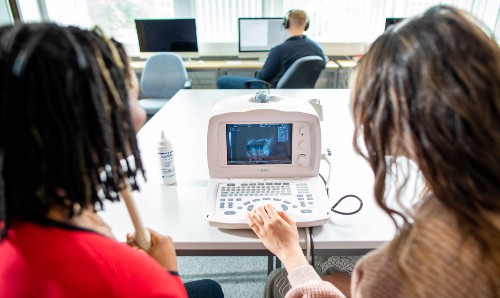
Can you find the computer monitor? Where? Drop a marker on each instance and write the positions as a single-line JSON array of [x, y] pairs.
[[391, 21], [260, 34], [167, 35]]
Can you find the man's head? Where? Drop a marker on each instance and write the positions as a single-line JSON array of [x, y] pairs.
[[296, 19]]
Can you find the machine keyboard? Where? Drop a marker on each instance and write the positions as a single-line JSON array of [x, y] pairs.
[[240, 198]]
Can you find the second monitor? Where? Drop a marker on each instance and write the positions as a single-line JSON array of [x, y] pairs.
[[167, 35], [260, 34]]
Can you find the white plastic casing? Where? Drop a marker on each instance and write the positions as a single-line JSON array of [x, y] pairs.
[[306, 136], [304, 167]]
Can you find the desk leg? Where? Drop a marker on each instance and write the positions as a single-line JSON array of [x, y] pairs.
[[270, 264]]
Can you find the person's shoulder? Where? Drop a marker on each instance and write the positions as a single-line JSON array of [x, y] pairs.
[[432, 250], [376, 273], [107, 250], [103, 264], [129, 269], [377, 260], [279, 47], [312, 41]]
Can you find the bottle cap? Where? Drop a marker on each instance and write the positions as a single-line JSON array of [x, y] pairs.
[[163, 139]]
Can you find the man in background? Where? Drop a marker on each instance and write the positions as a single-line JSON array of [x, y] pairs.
[[282, 56]]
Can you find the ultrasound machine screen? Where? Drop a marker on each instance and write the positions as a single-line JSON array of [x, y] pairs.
[[259, 143]]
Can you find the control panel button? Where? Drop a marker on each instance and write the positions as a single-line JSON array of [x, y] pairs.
[[301, 159]]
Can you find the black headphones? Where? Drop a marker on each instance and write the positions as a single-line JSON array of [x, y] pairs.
[[286, 21]]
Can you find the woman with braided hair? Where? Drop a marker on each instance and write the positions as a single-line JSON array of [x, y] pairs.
[[69, 114]]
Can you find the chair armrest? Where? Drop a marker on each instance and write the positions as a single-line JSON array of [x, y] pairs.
[[250, 83], [188, 84]]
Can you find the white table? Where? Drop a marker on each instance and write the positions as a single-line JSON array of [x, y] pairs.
[[178, 210]]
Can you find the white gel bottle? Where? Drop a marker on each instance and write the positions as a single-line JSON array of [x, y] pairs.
[[166, 158]]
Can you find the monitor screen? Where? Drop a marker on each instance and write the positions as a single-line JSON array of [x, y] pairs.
[[259, 143], [260, 34], [167, 35], [392, 21]]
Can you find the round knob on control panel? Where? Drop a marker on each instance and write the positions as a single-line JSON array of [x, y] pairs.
[[301, 145], [262, 96], [301, 159], [302, 130]]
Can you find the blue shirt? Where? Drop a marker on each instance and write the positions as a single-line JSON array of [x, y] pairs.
[[282, 56]]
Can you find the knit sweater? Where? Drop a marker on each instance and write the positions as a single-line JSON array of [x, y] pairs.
[[439, 261]]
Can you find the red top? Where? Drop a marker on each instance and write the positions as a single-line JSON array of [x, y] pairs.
[[52, 261]]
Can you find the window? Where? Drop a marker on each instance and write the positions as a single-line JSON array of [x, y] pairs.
[[342, 20], [116, 18], [339, 21], [217, 20], [363, 21], [30, 11], [5, 16]]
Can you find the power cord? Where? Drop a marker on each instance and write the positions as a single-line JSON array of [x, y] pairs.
[[310, 246]]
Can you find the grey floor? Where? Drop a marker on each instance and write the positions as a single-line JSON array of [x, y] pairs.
[[239, 276]]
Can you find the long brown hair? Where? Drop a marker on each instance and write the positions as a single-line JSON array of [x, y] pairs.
[[429, 88]]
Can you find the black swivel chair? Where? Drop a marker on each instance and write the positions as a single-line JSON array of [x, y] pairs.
[[302, 74]]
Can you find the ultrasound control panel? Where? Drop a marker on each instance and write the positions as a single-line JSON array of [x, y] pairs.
[[229, 201], [236, 199]]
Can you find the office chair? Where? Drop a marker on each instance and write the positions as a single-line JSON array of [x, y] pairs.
[[164, 74], [302, 74]]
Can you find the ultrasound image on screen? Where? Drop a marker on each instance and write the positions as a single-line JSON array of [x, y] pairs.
[[259, 144]]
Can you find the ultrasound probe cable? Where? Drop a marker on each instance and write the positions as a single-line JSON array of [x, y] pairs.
[[308, 244], [328, 158], [309, 231]]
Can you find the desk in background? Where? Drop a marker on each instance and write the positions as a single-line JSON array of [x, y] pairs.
[[178, 210], [332, 77], [210, 65], [197, 65]]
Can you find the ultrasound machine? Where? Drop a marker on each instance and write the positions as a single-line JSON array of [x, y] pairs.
[[264, 149]]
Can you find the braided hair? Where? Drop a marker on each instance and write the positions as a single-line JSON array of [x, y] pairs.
[[65, 121]]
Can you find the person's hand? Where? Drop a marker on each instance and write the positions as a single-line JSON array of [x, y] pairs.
[[162, 250], [279, 234]]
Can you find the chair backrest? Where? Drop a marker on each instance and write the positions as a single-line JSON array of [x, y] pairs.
[[303, 73], [164, 74]]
